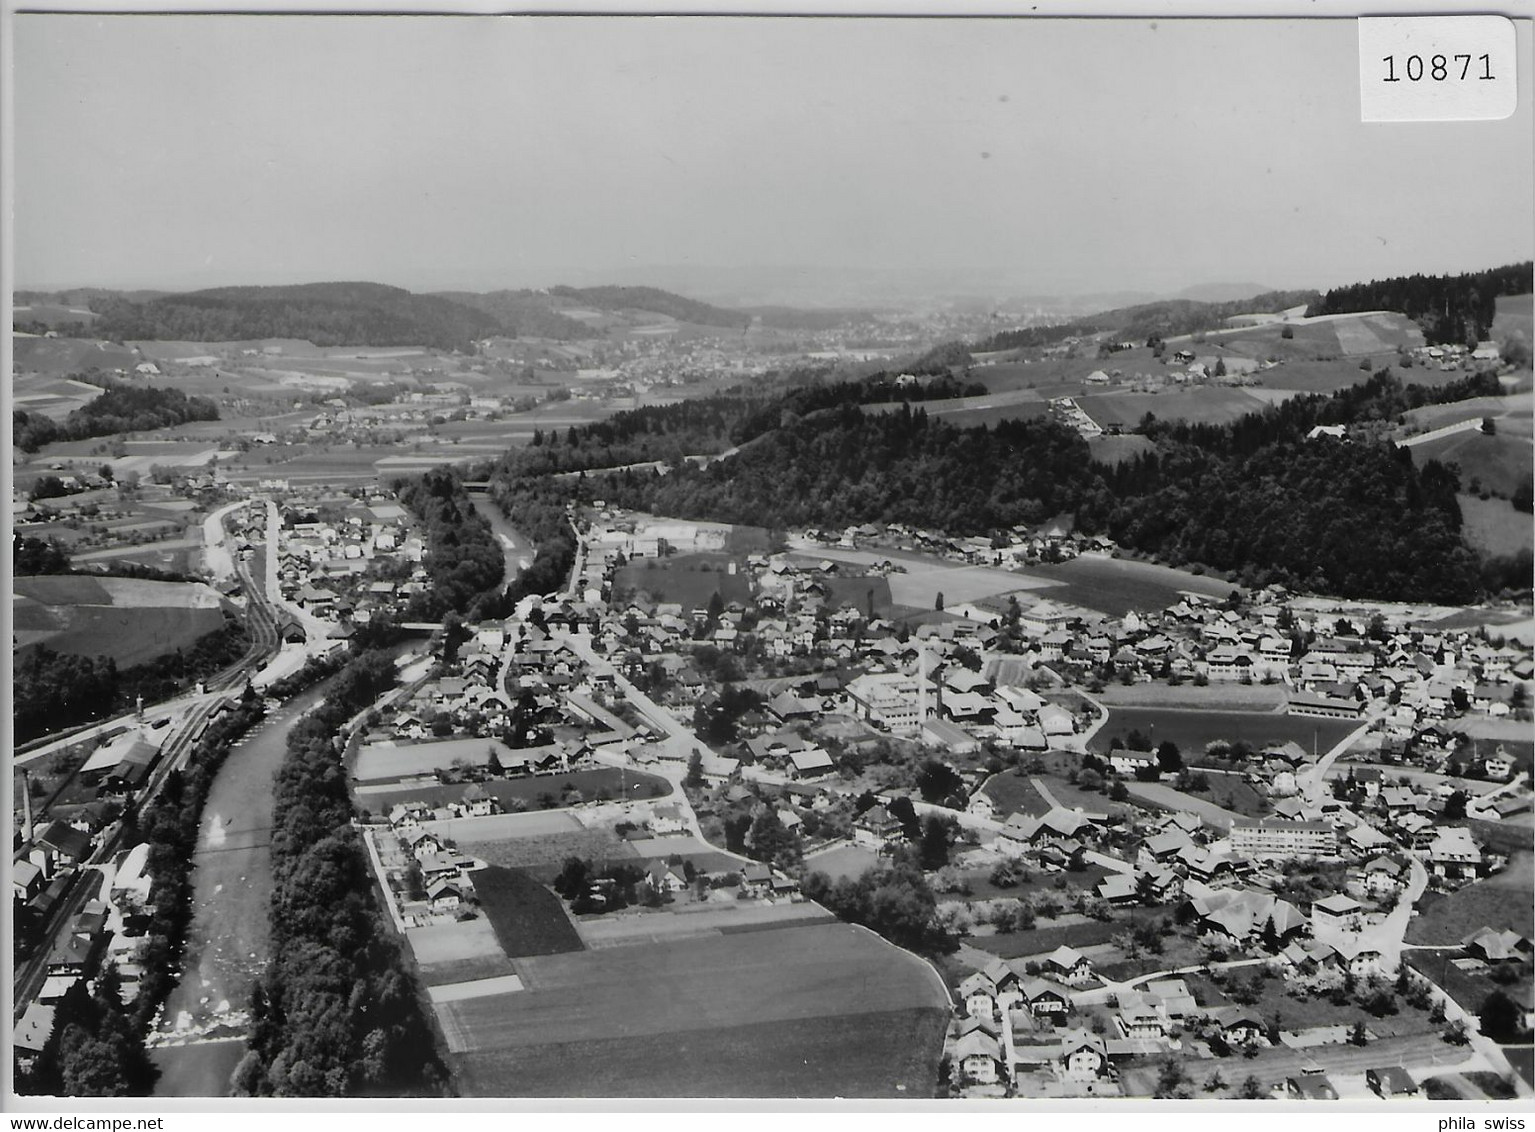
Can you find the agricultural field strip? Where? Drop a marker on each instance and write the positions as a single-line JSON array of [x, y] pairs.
[[712, 981], [643, 927], [924, 578], [453, 943], [1192, 728], [475, 988], [888, 1054]]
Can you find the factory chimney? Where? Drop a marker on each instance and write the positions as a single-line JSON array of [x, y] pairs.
[[26, 804], [924, 711]]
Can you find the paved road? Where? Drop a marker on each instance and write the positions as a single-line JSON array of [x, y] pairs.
[[1388, 934], [663, 720], [315, 630], [1310, 782], [1472, 425]]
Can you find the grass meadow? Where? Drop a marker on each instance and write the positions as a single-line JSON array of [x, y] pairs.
[[808, 1010]]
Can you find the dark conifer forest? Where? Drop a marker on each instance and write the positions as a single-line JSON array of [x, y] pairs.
[[1255, 498]]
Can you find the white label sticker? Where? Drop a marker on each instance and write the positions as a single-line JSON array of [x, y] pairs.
[[1437, 68]]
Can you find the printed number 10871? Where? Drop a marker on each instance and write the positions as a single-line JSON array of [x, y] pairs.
[[1439, 68]]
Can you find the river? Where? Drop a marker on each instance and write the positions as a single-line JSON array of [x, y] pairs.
[[516, 548], [231, 884]]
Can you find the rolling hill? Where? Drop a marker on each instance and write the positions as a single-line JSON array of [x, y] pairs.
[[656, 301], [327, 314], [1167, 319], [522, 314], [373, 314], [1449, 308]]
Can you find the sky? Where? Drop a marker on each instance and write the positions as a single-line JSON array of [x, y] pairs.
[[1036, 156]]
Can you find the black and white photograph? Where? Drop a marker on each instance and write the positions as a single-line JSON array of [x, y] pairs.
[[771, 558]]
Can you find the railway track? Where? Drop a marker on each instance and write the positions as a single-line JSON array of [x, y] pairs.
[[265, 637], [31, 974]]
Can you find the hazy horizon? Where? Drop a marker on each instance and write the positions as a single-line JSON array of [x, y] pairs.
[[792, 159]]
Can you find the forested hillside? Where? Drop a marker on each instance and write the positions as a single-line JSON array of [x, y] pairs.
[[656, 300], [327, 314], [1254, 498], [522, 314], [119, 408], [1449, 308], [1147, 320]]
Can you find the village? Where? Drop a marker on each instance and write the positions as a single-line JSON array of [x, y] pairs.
[[717, 752], [1129, 913], [705, 755]]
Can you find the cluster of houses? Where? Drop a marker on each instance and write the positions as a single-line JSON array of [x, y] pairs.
[[431, 879], [1410, 677], [1413, 683], [1021, 1032], [108, 930], [1456, 355], [324, 563], [46, 856], [1012, 1029]]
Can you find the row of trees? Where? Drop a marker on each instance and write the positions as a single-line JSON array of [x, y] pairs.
[[119, 408], [536, 507], [32, 556], [334, 1014], [893, 900]]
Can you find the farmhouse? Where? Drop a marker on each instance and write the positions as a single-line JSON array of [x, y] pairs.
[[979, 1057], [1069, 965], [1338, 911], [1128, 762], [1453, 855], [979, 996], [668, 819], [1044, 999], [876, 828], [812, 763], [1238, 1027], [1390, 1081], [1084, 1056], [1496, 946], [666, 880], [1310, 1087]]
